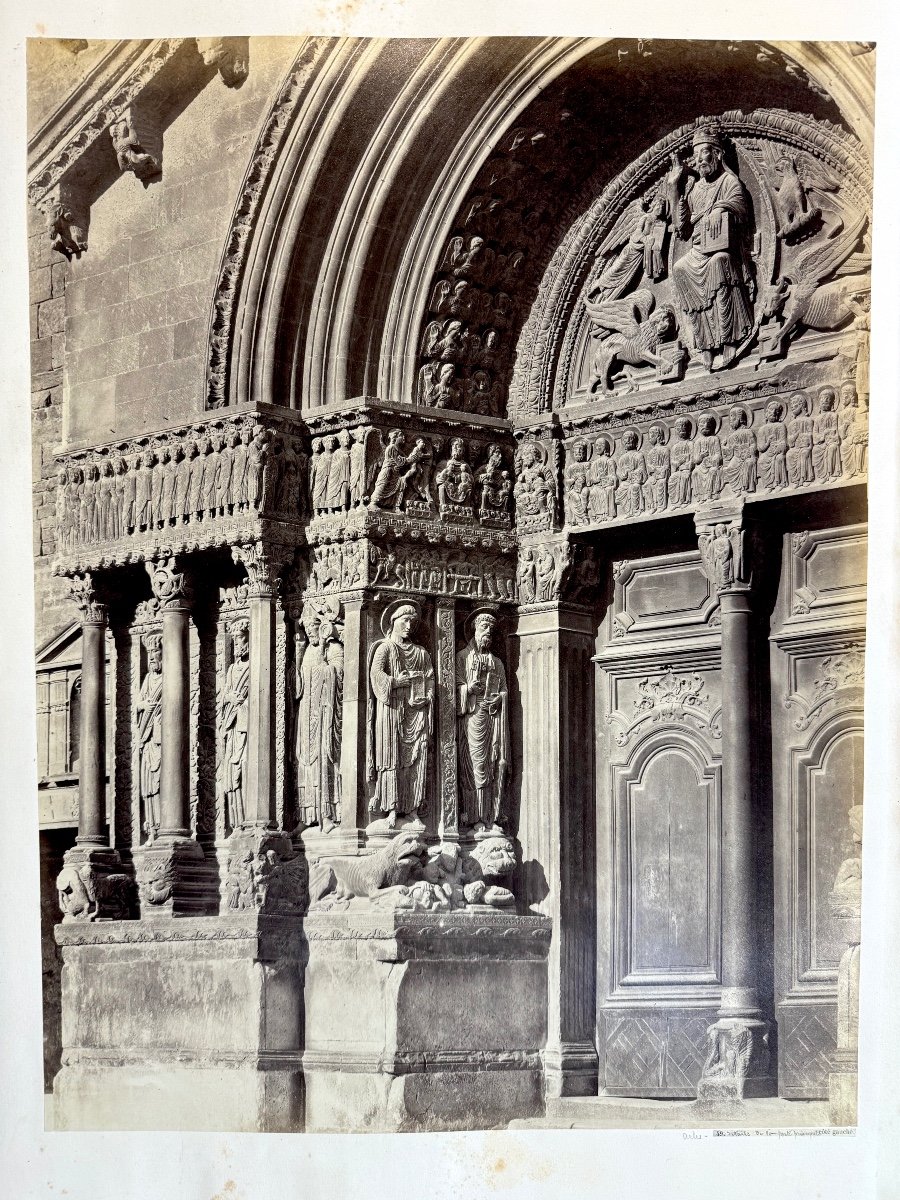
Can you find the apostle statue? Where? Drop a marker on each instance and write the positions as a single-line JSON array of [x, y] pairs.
[[402, 681], [320, 688], [483, 727], [149, 734], [712, 279], [233, 706]]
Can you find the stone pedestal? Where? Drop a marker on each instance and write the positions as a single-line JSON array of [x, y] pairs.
[[184, 1025], [423, 1021]]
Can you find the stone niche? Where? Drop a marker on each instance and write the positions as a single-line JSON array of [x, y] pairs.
[[362, 1021]]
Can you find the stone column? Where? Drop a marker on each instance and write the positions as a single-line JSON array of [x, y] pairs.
[[171, 868], [353, 722], [556, 832], [737, 1064], [89, 885], [445, 680], [258, 851]]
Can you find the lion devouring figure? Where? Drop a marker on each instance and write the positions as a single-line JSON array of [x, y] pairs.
[[404, 875]]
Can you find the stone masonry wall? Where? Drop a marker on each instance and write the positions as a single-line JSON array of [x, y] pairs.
[[122, 329]]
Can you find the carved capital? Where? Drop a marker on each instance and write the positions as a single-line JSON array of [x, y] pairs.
[[229, 55], [171, 586], [264, 564], [67, 214], [725, 547], [137, 140], [91, 604], [92, 885], [543, 569]]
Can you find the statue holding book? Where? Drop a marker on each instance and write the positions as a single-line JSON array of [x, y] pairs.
[[402, 681], [713, 282]]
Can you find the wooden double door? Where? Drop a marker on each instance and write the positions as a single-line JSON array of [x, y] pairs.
[[659, 806]]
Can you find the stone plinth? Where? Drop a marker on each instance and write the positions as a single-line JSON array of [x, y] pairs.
[[424, 1021], [187, 1024]]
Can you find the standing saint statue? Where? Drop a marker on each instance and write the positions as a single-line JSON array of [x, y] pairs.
[[233, 707], [402, 681], [320, 691], [483, 720], [149, 733], [712, 212]]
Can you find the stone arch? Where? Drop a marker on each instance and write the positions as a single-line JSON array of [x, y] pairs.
[[321, 297]]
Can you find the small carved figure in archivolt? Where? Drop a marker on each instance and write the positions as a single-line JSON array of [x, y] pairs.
[[233, 714], [402, 680], [320, 689], [148, 715], [483, 720]]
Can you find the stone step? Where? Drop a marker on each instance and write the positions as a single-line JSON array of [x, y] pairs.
[[615, 1112]]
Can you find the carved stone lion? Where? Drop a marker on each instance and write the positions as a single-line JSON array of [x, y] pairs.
[[491, 859], [371, 875], [85, 893]]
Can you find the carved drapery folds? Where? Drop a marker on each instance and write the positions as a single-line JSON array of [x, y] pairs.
[[319, 706], [725, 247], [209, 485]]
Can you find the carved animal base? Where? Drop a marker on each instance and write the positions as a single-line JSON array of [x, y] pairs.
[[191, 1024], [423, 1021]]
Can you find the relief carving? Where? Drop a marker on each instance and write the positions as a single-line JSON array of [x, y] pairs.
[[841, 676], [401, 677], [535, 488], [483, 719], [233, 707], [148, 721], [319, 696], [137, 142]]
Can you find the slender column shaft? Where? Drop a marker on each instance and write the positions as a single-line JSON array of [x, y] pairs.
[[353, 714], [175, 804], [739, 995], [92, 744], [260, 713]]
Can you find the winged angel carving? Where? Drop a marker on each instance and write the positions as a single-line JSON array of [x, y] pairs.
[[737, 248]]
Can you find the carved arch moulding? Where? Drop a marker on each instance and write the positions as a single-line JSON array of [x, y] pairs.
[[293, 326]]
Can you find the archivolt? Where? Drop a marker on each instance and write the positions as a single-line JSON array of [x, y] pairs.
[[355, 184]]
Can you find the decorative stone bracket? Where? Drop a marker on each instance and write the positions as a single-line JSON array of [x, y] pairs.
[[66, 163]]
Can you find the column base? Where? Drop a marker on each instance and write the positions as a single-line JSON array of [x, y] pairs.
[[736, 1068], [571, 1070], [843, 1085], [175, 879], [92, 885]]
